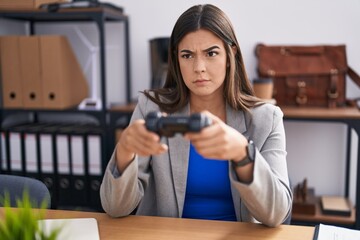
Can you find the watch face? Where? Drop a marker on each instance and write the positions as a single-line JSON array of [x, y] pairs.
[[251, 151]]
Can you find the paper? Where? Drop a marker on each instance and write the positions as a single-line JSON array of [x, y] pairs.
[[73, 229], [328, 232]]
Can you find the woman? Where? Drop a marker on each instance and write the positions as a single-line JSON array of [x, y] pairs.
[[235, 169]]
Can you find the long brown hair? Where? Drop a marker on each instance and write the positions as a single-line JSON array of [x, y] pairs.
[[174, 95]]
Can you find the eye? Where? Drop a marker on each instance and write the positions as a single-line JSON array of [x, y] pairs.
[[212, 53], [186, 56]]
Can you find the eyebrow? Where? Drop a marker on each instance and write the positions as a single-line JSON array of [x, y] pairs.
[[206, 50]]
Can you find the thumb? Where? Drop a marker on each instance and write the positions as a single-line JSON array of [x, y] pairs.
[[214, 118]]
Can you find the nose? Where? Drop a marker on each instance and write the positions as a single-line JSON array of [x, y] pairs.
[[199, 65]]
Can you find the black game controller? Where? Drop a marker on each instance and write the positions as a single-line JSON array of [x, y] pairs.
[[169, 126]]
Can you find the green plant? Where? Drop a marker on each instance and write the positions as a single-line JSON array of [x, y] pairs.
[[21, 223]]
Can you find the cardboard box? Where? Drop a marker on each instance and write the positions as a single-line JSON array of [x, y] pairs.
[[42, 72], [30, 70], [10, 72], [63, 81], [24, 4]]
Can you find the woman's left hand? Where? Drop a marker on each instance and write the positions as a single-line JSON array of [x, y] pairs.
[[219, 141]]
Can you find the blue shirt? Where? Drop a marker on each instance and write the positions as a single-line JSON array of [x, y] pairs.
[[208, 192]]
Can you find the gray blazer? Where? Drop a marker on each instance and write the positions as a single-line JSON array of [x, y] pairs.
[[156, 185]]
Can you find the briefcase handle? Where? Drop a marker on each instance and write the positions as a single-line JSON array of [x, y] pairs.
[[354, 76]]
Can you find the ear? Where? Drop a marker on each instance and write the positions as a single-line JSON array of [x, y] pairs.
[[234, 49]]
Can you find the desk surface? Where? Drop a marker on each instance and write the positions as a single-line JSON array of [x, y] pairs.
[[142, 227]]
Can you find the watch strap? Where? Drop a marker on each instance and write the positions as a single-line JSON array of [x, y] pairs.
[[250, 156]]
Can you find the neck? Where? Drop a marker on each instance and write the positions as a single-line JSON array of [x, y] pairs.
[[215, 106]]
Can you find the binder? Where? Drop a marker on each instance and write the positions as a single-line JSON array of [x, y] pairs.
[[63, 81], [10, 72], [49, 173], [3, 151], [16, 150], [64, 183], [31, 152], [95, 155], [79, 165], [30, 71], [25, 134], [77, 178]]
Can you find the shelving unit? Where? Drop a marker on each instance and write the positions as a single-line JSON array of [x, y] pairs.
[[350, 117], [99, 118]]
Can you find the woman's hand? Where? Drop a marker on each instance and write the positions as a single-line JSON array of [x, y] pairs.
[[220, 141], [136, 139]]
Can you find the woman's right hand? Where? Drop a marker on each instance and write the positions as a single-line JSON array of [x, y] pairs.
[[136, 139]]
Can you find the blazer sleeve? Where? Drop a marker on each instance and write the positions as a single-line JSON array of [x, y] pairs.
[[268, 198], [121, 193]]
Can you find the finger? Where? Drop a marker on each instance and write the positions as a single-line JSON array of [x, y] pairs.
[[146, 148], [136, 138], [207, 133]]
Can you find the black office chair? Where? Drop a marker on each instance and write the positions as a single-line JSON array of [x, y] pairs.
[[16, 185]]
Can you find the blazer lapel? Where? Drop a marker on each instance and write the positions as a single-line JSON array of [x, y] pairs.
[[236, 120], [179, 159]]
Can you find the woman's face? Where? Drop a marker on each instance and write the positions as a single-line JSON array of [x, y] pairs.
[[202, 60]]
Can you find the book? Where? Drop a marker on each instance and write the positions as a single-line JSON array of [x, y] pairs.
[[329, 232], [335, 205], [73, 228]]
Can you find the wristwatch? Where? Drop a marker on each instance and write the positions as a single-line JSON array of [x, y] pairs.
[[250, 155]]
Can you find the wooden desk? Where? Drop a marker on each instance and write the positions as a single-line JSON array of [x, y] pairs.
[[348, 116], [142, 228]]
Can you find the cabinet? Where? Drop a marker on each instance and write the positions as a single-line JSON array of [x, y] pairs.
[[351, 118], [94, 120]]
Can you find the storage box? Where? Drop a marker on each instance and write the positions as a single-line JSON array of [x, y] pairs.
[[40, 72], [63, 82], [24, 4]]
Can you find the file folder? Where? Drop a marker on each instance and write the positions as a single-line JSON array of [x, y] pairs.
[[10, 72], [95, 156], [48, 158], [28, 150], [32, 161], [64, 183], [30, 71], [3, 149], [16, 151], [78, 181], [79, 166]]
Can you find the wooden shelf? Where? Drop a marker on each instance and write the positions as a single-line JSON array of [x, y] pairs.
[[321, 113], [318, 217]]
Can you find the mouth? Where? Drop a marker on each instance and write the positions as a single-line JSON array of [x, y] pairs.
[[199, 81]]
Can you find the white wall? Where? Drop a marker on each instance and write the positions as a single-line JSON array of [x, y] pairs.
[[315, 150]]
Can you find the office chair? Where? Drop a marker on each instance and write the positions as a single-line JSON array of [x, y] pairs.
[[16, 185]]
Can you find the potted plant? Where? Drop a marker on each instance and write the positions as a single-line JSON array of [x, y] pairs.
[[22, 223]]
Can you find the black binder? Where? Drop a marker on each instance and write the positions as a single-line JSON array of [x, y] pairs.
[[32, 162], [80, 166], [48, 161], [76, 183], [95, 155], [4, 166], [15, 150], [64, 171]]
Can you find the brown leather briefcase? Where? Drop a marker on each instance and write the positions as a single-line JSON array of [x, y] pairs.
[[313, 76]]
